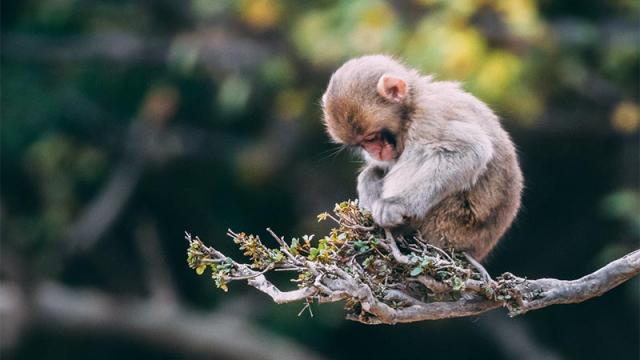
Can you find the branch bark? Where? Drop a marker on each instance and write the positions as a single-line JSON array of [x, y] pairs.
[[518, 294], [541, 293]]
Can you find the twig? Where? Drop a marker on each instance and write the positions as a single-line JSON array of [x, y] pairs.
[[390, 243], [485, 274], [278, 239], [284, 247]]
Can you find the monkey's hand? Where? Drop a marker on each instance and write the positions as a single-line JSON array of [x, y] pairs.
[[388, 213], [370, 183]]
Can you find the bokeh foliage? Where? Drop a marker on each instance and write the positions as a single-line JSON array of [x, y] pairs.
[[232, 89]]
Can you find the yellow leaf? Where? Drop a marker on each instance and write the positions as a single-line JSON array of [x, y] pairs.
[[200, 269], [323, 216]]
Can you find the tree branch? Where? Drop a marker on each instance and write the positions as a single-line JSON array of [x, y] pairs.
[[52, 307], [540, 293], [380, 284], [158, 278]]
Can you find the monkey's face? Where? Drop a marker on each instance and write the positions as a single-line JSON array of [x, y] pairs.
[[366, 105], [380, 145], [370, 116], [372, 127]]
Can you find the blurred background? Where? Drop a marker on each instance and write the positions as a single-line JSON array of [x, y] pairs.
[[125, 123]]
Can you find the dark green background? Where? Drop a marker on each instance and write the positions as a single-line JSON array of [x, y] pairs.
[[237, 143]]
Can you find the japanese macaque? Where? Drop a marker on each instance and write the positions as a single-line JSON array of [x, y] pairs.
[[437, 160]]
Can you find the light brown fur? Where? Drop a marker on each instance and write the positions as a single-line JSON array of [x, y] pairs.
[[456, 178]]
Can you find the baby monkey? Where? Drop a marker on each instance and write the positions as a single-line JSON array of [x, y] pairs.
[[437, 159]]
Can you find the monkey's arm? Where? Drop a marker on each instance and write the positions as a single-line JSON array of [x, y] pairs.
[[369, 186], [426, 173]]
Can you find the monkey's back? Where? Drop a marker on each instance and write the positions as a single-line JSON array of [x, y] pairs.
[[475, 219]]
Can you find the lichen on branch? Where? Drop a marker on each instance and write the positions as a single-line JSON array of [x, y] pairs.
[[384, 278]]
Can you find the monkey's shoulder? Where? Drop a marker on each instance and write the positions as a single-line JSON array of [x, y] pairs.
[[442, 102], [448, 95]]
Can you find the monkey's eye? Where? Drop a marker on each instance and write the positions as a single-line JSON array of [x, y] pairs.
[[371, 137]]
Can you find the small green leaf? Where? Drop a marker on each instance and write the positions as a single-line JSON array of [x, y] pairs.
[[295, 246], [368, 261], [313, 253], [277, 255], [458, 284], [361, 246], [416, 271]]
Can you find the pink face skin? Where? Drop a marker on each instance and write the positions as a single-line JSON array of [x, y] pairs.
[[377, 147]]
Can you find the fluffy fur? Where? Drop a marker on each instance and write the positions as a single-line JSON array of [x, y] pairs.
[[456, 178]]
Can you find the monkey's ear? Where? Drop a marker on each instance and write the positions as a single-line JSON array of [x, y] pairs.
[[392, 88]]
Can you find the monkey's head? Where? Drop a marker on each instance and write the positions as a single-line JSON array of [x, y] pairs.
[[367, 103]]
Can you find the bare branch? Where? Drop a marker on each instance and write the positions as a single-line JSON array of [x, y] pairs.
[[540, 293], [57, 308], [103, 210], [390, 243], [479, 267], [280, 297], [155, 266]]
